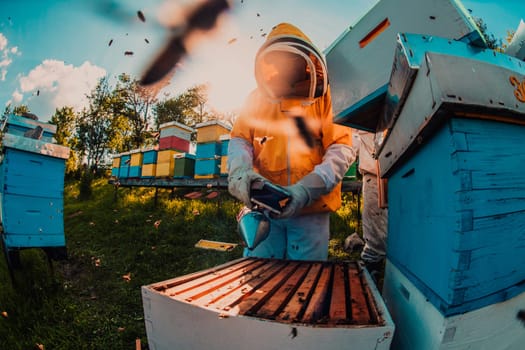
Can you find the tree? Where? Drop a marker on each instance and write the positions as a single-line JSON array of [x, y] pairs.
[[134, 102], [95, 125], [189, 108], [65, 120]]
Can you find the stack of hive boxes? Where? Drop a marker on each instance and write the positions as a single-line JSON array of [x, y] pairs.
[[209, 149], [456, 216], [225, 141], [125, 161], [149, 162], [115, 167], [135, 163], [31, 186], [174, 138]]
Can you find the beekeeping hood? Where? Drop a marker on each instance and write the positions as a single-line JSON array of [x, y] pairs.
[[288, 65]]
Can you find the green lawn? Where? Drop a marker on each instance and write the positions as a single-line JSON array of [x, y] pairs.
[[116, 244]]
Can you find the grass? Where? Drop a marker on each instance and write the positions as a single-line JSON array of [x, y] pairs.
[[116, 244]]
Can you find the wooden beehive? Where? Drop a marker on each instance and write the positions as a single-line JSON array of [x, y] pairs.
[[115, 166], [149, 170], [253, 303], [176, 129], [455, 182], [211, 131], [31, 192], [184, 165], [420, 325]]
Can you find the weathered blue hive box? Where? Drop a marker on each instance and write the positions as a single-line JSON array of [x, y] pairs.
[[208, 167], [32, 188], [208, 149], [149, 156], [19, 125], [360, 60], [455, 181], [125, 163], [420, 325]]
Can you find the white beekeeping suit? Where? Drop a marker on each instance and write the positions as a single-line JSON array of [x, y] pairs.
[[374, 218]]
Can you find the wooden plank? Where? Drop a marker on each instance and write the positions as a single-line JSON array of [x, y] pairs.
[[215, 294], [360, 312], [266, 291], [215, 245], [191, 290], [221, 269], [236, 278], [278, 301], [338, 312], [247, 286], [317, 301], [297, 303]]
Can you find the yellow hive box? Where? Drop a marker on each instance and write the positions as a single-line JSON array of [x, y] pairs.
[[116, 162], [149, 170], [224, 165], [166, 156], [165, 169], [211, 131], [136, 158]]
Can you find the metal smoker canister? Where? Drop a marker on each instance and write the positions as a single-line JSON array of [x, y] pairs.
[[253, 227]]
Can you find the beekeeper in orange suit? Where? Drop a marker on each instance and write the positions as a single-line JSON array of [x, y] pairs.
[[285, 134]]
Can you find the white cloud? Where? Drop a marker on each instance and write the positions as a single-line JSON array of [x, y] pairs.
[[17, 97], [54, 84], [5, 53]]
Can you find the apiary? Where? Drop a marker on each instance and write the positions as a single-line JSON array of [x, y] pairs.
[[253, 303]]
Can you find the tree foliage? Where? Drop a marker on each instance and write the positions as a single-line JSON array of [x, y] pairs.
[[94, 125], [65, 120], [134, 103], [189, 108]]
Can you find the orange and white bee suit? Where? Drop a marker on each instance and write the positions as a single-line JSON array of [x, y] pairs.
[[286, 135]]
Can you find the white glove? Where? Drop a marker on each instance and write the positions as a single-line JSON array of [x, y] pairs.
[[302, 194], [239, 184]]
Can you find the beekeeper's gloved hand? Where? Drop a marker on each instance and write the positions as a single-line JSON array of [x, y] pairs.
[[303, 193], [239, 184], [240, 169]]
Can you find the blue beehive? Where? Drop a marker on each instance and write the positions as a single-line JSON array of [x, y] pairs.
[[208, 149], [125, 163], [32, 185], [207, 167], [455, 183], [19, 125], [149, 157]]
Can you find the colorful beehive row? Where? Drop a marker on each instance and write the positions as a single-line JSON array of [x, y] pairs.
[[166, 161]]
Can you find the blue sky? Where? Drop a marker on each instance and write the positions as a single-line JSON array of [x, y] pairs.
[[53, 52]]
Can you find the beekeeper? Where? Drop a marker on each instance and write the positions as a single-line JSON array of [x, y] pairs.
[[374, 217], [285, 134]]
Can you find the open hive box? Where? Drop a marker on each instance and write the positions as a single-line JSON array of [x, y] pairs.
[[268, 304]]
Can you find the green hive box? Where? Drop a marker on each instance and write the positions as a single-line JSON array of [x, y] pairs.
[[184, 165]]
